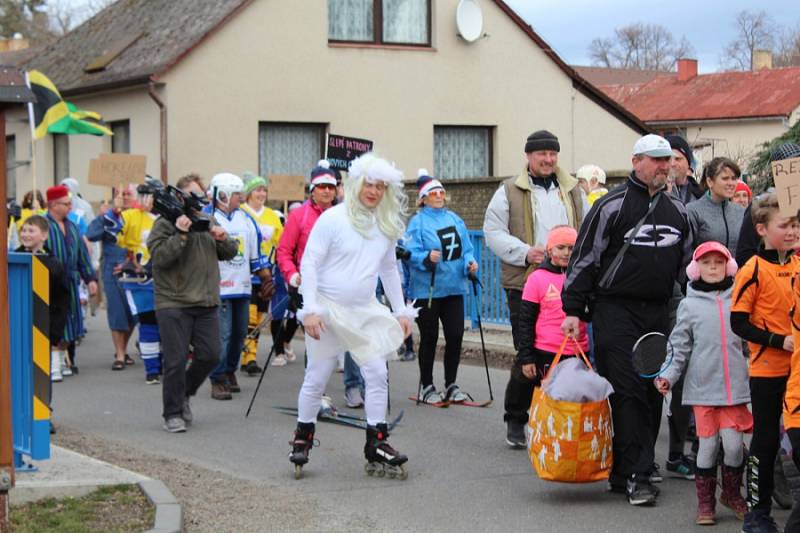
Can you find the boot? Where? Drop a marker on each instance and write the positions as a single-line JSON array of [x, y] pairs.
[[731, 496], [705, 481], [55, 366]]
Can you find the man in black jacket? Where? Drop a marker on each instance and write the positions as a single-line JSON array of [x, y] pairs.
[[631, 301]]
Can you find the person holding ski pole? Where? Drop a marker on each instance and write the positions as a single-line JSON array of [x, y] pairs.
[[438, 241]]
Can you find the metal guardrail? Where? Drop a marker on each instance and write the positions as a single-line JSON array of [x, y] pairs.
[[28, 306], [494, 309]]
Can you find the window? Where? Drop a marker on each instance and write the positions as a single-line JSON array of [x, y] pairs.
[[380, 21], [60, 157], [121, 140], [11, 166], [289, 148], [462, 151]]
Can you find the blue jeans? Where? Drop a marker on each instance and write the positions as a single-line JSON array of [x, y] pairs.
[[352, 374], [233, 316]]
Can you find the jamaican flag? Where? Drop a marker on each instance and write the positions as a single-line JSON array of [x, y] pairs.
[[51, 114]]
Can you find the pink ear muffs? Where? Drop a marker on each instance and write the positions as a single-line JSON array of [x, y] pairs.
[[693, 269]]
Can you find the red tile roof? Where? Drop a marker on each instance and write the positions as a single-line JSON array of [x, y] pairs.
[[724, 95], [613, 76]]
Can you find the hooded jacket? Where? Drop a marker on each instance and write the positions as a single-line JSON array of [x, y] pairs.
[[715, 221], [510, 222], [705, 346], [294, 238], [438, 229], [655, 260]]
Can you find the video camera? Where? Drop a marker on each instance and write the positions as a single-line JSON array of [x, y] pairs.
[[171, 203]]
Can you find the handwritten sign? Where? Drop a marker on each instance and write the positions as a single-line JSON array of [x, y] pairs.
[[286, 188], [114, 169], [787, 185], [341, 150]]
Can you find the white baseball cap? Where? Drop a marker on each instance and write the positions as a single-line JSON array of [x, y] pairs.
[[653, 146], [587, 172]]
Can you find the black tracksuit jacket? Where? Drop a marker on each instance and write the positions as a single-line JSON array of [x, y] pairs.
[[656, 258]]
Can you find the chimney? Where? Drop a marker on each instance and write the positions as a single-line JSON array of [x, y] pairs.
[[687, 69], [762, 59]]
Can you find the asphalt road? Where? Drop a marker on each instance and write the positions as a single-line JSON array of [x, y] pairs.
[[462, 477]]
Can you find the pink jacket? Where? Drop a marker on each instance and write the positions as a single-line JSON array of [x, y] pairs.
[[295, 236]]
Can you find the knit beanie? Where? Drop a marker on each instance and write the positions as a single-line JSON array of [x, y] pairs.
[[427, 183], [253, 182], [680, 144], [322, 174], [542, 140], [742, 186], [56, 192], [561, 235]]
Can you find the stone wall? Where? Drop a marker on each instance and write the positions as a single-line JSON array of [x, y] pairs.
[[466, 197]]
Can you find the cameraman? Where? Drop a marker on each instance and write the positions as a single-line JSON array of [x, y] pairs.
[[186, 277]]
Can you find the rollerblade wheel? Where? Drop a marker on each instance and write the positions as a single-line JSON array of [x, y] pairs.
[[298, 471], [369, 469], [403, 473]]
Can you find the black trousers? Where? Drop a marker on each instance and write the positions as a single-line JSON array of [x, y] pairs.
[[519, 389], [450, 312], [766, 397], [636, 404], [793, 522], [179, 328]]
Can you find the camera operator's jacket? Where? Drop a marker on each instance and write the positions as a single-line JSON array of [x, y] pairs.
[[185, 266]]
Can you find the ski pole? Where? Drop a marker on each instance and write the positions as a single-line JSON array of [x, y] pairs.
[[475, 282], [269, 356]]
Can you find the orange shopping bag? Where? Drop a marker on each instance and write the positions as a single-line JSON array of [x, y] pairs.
[[569, 441]]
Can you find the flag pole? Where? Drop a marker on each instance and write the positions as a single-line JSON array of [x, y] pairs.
[[33, 145]]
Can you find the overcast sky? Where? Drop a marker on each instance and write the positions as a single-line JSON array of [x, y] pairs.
[[569, 26]]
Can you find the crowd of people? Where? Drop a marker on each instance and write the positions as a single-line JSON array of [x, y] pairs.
[[695, 258]]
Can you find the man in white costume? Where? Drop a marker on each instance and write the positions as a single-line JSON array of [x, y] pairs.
[[350, 247]]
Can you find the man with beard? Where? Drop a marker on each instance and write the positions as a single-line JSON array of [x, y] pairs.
[[623, 279]]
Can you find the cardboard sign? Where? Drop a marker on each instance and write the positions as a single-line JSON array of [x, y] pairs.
[[114, 169], [787, 185], [286, 188], [341, 150]]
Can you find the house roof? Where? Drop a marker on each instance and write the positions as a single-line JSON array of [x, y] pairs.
[[139, 39], [719, 96], [613, 76], [135, 41]]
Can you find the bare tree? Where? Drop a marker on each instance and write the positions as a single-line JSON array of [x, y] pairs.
[[65, 15], [754, 31], [640, 47], [787, 50]]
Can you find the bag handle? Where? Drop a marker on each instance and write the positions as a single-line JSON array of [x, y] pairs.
[[560, 352]]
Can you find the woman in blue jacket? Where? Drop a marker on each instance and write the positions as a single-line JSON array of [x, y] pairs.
[[441, 261]]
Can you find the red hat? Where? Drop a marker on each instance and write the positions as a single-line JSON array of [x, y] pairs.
[[56, 192], [708, 247], [742, 186], [561, 235]]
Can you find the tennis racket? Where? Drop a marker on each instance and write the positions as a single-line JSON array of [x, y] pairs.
[[652, 355]]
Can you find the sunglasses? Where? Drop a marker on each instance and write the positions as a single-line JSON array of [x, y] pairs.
[[437, 192]]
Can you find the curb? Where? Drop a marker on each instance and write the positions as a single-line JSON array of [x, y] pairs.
[[169, 513]]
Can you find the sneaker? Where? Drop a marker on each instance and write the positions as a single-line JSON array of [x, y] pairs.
[[454, 394], [219, 391], [429, 394], [640, 491], [759, 521], [152, 379], [655, 474], [252, 369], [288, 354], [353, 398], [515, 435], [66, 370], [408, 355], [187, 412], [681, 467], [175, 424], [279, 360], [232, 383]]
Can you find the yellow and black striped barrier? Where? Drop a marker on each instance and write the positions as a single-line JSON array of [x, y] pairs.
[[29, 320]]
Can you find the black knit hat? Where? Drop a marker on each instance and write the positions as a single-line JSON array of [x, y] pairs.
[[679, 143], [542, 140], [785, 151]]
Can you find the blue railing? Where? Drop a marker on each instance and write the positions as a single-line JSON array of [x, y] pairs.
[[492, 296]]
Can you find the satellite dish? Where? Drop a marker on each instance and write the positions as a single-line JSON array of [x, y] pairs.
[[469, 20]]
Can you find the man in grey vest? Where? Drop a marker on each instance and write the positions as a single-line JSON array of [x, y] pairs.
[[516, 226]]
